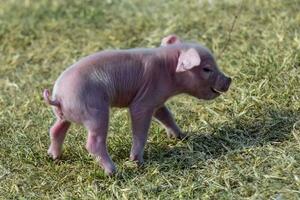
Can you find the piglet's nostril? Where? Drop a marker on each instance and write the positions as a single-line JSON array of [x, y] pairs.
[[227, 85], [229, 80], [226, 81]]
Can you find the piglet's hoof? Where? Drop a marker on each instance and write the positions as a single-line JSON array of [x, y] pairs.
[[138, 160], [179, 136], [54, 154], [109, 169], [183, 136]]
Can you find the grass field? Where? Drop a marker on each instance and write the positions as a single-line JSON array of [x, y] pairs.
[[243, 145]]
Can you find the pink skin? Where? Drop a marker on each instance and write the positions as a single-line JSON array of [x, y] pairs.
[[170, 39], [57, 135], [140, 79]]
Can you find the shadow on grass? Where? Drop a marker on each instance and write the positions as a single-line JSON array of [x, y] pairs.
[[271, 127]]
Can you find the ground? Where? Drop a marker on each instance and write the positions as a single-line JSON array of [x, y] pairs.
[[243, 145]]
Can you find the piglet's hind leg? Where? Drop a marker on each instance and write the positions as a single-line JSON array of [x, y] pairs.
[[97, 127], [57, 135]]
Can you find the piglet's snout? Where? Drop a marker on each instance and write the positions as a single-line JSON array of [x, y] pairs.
[[227, 84], [223, 83]]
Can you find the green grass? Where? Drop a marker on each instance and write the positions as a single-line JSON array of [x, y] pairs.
[[245, 144]]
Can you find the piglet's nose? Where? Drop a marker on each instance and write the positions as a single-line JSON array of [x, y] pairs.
[[229, 80], [227, 84]]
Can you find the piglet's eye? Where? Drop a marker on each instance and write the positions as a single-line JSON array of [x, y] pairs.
[[206, 69]]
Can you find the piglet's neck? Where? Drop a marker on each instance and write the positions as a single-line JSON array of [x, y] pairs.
[[171, 60]]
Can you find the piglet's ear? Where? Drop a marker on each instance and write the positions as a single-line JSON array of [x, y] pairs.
[[187, 60], [170, 39]]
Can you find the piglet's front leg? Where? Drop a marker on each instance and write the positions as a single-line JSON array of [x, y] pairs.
[[164, 116], [140, 119]]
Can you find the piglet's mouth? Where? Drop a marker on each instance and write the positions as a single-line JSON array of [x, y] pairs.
[[214, 90]]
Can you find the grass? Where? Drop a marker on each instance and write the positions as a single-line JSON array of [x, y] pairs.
[[243, 145]]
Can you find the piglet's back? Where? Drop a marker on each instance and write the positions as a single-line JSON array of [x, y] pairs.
[[114, 76]]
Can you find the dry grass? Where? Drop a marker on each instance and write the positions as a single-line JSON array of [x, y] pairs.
[[245, 144]]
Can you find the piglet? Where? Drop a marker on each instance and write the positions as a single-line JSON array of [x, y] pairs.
[[140, 79]]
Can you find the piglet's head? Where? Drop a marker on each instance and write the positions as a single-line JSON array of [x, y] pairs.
[[197, 72]]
